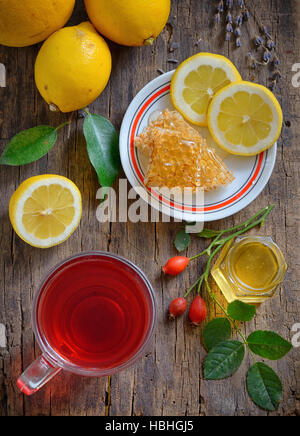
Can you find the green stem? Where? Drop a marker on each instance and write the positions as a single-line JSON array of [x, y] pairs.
[[200, 279], [265, 210], [247, 225], [208, 249], [199, 255], [255, 220], [86, 110], [224, 241], [213, 297], [231, 320], [63, 125], [200, 284]]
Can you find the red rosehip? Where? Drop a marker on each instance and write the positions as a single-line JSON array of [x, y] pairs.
[[198, 311], [177, 307], [176, 265]]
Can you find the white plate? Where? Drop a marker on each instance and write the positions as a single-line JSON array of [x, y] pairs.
[[251, 173]]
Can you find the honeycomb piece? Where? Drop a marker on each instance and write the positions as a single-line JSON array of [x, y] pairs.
[[179, 156], [171, 120]]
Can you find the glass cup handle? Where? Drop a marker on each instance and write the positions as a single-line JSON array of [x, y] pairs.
[[36, 375]]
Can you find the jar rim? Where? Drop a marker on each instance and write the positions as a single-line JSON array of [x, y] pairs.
[[268, 242]]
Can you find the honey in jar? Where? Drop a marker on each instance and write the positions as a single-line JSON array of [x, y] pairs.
[[249, 269]]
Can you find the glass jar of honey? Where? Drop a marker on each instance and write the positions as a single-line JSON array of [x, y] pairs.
[[249, 269]]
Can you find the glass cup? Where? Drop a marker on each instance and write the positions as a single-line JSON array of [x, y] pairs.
[[93, 315]]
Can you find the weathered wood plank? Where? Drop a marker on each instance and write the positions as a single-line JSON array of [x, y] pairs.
[[168, 379]]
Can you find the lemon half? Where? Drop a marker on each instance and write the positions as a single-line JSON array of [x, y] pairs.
[[45, 210], [197, 80], [245, 118]]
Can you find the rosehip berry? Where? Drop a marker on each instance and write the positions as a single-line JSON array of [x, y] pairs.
[[176, 265], [177, 307], [198, 311]]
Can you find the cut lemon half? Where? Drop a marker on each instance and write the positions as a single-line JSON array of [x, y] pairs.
[[245, 119], [45, 210], [197, 80]]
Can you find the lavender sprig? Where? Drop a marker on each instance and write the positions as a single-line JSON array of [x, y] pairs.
[[235, 14]]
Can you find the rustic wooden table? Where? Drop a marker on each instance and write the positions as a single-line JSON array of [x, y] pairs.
[[168, 379]]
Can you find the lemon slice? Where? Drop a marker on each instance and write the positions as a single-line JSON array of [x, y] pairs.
[[245, 119], [197, 80], [45, 210]]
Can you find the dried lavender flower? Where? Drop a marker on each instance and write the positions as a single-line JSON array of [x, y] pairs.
[[238, 31], [220, 7], [217, 19], [238, 42], [253, 61], [276, 61], [258, 41], [229, 28], [246, 15], [239, 20], [277, 75], [227, 36], [265, 48], [265, 31], [267, 56], [273, 85], [270, 44], [81, 114], [229, 4], [174, 46], [229, 18]]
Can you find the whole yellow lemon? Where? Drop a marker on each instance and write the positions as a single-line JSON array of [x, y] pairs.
[[130, 22], [73, 67], [26, 22]]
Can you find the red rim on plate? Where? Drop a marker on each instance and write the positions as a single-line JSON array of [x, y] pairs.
[[225, 202]]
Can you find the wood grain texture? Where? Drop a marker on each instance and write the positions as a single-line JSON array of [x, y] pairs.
[[168, 379]]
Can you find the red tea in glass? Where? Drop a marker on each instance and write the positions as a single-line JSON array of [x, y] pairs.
[[93, 315]]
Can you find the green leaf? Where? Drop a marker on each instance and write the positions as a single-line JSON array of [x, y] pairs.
[[241, 311], [103, 148], [268, 344], [182, 240], [223, 360], [216, 331], [208, 233], [264, 386], [29, 146]]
